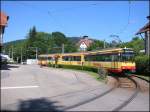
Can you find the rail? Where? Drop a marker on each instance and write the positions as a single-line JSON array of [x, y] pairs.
[[92, 99], [108, 91], [140, 78], [132, 96]]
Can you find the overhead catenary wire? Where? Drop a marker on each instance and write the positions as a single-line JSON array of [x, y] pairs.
[[41, 11], [50, 13], [125, 26], [128, 21]]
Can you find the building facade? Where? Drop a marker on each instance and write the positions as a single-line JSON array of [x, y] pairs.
[[84, 43], [146, 32], [3, 23]]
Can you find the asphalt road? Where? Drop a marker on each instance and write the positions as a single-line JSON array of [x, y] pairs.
[[29, 87]]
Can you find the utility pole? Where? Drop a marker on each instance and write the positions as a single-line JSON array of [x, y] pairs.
[[3, 51], [12, 54], [36, 50], [21, 55], [47, 56], [48, 51], [62, 48], [36, 53], [104, 44], [9, 52], [17, 60]]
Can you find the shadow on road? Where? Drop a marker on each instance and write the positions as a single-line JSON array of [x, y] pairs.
[[7, 67], [41, 104]]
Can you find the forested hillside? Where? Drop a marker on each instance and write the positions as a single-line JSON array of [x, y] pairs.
[[55, 41]]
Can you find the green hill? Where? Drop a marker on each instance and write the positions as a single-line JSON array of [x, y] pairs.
[[15, 42]]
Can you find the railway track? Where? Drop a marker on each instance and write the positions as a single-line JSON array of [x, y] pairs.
[[140, 78], [125, 103], [137, 89], [92, 99]]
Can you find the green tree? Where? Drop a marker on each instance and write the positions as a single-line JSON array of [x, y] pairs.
[[136, 43], [70, 47], [59, 38], [45, 42], [31, 39], [97, 44], [17, 47]]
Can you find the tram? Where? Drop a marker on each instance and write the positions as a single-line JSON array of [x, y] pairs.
[[114, 60]]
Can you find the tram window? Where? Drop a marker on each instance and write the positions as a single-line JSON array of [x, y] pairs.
[[115, 57], [41, 58], [76, 58], [65, 58], [72, 58], [127, 57], [102, 57], [108, 58], [50, 58]]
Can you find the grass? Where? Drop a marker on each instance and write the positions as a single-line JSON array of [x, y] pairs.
[[93, 74]]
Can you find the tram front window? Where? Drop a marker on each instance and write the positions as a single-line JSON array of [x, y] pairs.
[[127, 55]]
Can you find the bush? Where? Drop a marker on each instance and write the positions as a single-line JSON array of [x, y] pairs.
[[50, 64], [77, 67], [142, 64]]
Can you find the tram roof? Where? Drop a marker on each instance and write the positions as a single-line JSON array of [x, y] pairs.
[[102, 51]]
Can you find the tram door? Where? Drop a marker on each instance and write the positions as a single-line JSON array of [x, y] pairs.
[[114, 61]]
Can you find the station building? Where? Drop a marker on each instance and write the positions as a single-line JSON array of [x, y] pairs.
[[145, 34], [3, 23]]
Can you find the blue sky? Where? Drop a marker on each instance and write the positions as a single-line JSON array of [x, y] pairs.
[[97, 19]]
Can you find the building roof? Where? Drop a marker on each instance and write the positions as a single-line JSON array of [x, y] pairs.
[[145, 28], [87, 41], [3, 19]]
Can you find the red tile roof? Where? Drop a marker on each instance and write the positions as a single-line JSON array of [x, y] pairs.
[[3, 19], [87, 41], [144, 29]]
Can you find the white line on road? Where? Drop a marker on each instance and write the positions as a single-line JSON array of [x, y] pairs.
[[19, 87]]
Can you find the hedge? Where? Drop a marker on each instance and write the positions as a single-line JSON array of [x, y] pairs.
[[142, 65], [76, 67]]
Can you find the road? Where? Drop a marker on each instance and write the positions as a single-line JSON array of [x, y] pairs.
[[29, 87]]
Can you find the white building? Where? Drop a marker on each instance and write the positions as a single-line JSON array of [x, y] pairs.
[[84, 43]]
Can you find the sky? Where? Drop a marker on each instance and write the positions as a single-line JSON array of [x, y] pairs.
[[97, 19]]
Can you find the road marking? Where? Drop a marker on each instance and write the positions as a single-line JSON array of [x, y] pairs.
[[19, 87]]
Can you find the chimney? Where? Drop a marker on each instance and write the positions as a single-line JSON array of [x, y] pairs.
[[85, 37]]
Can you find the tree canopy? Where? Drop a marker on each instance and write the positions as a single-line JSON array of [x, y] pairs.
[[43, 42], [54, 42], [136, 43], [97, 44]]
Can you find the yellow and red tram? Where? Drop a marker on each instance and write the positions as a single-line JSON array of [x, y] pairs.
[[114, 60]]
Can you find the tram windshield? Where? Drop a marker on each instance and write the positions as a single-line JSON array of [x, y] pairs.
[[127, 55]]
